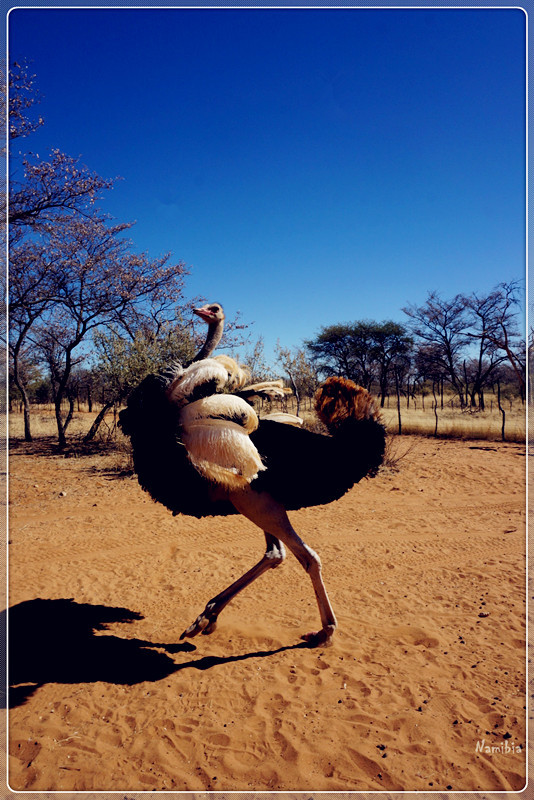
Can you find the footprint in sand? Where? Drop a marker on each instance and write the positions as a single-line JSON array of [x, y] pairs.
[[187, 726], [415, 637], [363, 688], [281, 702], [287, 751], [218, 739], [321, 665]]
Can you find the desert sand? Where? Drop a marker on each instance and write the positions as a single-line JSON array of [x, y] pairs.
[[423, 689]]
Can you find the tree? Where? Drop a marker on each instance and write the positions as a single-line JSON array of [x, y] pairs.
[[256, 364], [363, 351], [39, 189], [72, 272], [483, 312], [95, 280], [465, 340], [301, 371], [390, 347], [32, 289], [60, 185], [123, 362], [23, 96], [40, 192], [494, 325], [344, 349], [441, 325], [331, 351], [530, 356]]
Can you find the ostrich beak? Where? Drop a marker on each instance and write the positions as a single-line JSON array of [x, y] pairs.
[[204, 314]]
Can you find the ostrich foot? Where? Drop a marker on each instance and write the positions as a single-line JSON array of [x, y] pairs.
[[322, 637], [205, 623]]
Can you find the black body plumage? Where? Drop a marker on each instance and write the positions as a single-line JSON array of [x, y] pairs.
[[160, 459], [310, 469], [303, 468]]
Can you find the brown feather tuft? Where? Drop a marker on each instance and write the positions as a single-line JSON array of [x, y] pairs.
[[340, 399]]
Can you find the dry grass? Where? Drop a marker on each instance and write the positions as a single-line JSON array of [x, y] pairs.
[[457, 424], [109, 442], [43, 424]]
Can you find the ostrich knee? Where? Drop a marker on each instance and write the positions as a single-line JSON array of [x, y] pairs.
[[309, 559], [275, 552]]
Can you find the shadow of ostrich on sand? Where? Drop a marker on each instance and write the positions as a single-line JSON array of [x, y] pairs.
[[56, 641]]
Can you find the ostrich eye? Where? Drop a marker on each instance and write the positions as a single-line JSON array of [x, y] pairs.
[[215, 308]]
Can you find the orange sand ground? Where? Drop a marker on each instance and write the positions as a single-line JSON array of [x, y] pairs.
[[425, 567]]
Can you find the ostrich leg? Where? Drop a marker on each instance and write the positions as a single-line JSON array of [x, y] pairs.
[[207, 621], [270, 515]]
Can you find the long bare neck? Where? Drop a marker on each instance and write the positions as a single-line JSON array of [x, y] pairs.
[[215, 332]]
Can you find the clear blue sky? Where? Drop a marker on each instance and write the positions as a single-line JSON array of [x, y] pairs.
[[310, 166]]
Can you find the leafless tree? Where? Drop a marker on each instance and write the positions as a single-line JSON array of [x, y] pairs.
[[494, 326], [300, 370], [256, 364], [441, 325]]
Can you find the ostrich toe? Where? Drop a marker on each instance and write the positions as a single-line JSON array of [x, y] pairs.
[[205, 623], [323, 637]]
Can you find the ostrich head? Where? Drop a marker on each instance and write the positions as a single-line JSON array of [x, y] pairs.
[[213, 315]]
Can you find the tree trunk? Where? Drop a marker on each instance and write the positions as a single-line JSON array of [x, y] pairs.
[[60, 391], [69, 414], [27, 429], [26, 409], [296, 391], [383, 392], [96, 424], [501, 409], [435, 408], [465, 402], [398, 401], [24, 394], [61, 438], [62, 423]]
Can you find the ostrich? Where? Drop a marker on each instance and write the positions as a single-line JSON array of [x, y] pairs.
[[199, 449]]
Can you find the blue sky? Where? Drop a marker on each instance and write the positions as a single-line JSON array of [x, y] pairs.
[[310, 166]]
